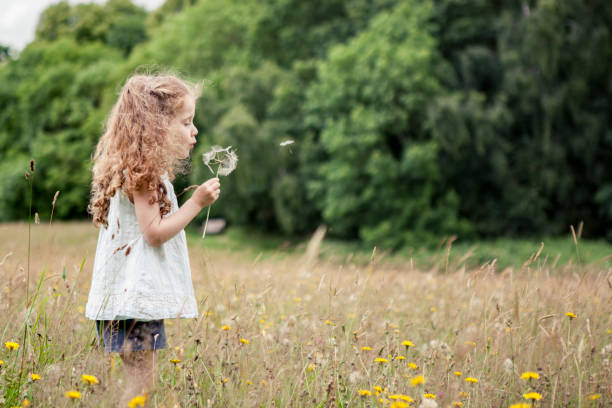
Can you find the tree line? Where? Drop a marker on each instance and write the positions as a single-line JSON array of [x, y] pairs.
[[411, 119]]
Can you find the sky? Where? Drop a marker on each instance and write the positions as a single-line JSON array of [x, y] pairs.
[[18, 18]]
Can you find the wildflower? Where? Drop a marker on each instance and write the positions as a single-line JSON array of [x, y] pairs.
[[73, 394], [399, 404], [226, 327], [458, 373], [90, 379], [463, 394], [470, 343], [366, 348], [407, 343], [310, 367], [594, 397], [244, 341], [530, 375], [520, 405], [412, 365], [433, 309], [249, 382], [175, 361], [471, 380], [430, 396], [400, 358], [406, 398], [26, 402], [419, 379], [571, 315], [1, 362], [11, 345], [225, 158], [381, 360], [363, 393], [378, 389], [286, 143], [532, 395], [457, 404], [137, 401], [328, 322], [34, 376]]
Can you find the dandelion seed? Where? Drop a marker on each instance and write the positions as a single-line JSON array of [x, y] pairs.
[[11, 345], [225, 158], [364, 393], [366, 348], [458, 373], [90, 379], [407, 343], [73, 394], [244, 341], [412, 365], [138, 401], [419, 379], [381, 360], [430, 396], [34, 377], [530, 375], [471, 380], [226, 328], [287, 143], [594, 397], [571, 315], [532, 395]]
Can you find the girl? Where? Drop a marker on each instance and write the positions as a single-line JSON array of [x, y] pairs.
[[141, 270]]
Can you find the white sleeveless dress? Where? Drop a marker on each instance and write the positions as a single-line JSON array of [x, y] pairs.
[[133, 280]]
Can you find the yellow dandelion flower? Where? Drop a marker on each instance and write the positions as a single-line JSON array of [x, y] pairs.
[[73, 394], [90, 379], [571, 315], [430, 396], [298, 299], [394, 397], [463, 394], [26, 402], [138, 401], [383, 401], [407, 343], [530, 375], [406, 398], [412, 365], [226, 327], [381, 360], [471, 380], [11, 345], [249, 382], [377, 388], [457, 404], [310, 367], [244, 341], [366, 348], [1, 362], [470, 343], [399, 404], [328, 322], [34, 376], [458, 373], [532, 395], [520, 405], [419, 379], [594, 397], [175, 361], [363, 393], [264, 383], [400, 358]]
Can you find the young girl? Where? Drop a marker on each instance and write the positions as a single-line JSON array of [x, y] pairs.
[[141, 270]]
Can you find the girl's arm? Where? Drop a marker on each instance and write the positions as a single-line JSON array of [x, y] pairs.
[[157, 230]]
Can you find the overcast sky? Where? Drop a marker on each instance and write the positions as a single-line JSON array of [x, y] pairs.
[[18, 18]]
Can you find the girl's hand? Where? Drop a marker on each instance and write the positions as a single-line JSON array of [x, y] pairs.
[[207, 193]]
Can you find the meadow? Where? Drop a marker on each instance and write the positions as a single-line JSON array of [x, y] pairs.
[[319, 325]]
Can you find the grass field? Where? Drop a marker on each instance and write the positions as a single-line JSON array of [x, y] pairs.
[[291, 324]]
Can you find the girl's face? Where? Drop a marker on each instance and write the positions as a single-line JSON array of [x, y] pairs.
[[182, 128]]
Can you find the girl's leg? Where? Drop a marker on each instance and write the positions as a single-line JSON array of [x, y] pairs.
[[140, 373]]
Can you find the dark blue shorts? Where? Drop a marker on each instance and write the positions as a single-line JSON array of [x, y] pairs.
[[123, 336]]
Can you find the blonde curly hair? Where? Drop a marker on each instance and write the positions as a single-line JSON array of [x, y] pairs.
[[136, 149]]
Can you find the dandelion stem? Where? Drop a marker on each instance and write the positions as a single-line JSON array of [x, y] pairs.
[[208, 212]]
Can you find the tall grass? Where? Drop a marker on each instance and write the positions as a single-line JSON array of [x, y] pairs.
[[312, 330]]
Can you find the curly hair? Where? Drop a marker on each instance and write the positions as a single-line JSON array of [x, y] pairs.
[[136, 149]]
